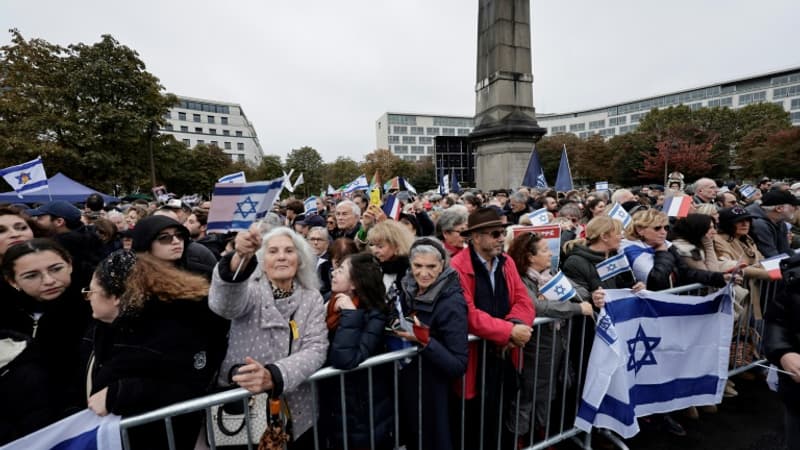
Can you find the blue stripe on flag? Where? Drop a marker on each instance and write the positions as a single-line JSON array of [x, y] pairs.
[[642, 394], [634, 308], [610, 406], [32, 186], [83, 441], [244, 190], [22, 166]]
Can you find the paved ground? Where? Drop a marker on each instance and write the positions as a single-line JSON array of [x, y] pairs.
[[751, 421]]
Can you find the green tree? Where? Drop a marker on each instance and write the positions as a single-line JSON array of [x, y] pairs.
[[342, 170], [423, 175], [771, 151], [269, 168], [386, 163], [306, 161]]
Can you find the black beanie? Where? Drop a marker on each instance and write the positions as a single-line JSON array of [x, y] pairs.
[[146, 230]]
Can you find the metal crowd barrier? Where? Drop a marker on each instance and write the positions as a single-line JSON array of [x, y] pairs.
[[563, 395]]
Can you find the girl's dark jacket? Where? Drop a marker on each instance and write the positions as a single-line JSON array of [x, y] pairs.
[[153, 357]]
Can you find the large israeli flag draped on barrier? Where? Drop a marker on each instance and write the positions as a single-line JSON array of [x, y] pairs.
[[81, 431], [235, 206], [655, 353]]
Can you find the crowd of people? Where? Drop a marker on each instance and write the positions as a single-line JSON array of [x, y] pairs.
[[127, 307]]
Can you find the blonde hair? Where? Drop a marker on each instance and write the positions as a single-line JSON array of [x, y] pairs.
[[644, 219], [151, 277], [595, 229], [706, 208], [394, 234]]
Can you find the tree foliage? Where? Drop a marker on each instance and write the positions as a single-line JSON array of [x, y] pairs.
[[340, 172], [306, 161]]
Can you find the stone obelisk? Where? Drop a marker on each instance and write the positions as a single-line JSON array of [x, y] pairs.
[[505, 119]]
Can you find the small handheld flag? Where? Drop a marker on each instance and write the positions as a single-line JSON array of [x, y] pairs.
[[558, 289], [392, 207], [773, 266], [747, 191], [612, 267], [359, 183], [539, 217], [234, 207], [26, 177], [237, 177], [311, 205], [601, 186], [677, 206], [618, 212]]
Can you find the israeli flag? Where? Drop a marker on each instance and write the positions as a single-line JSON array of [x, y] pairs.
[[311, 205], [747, 191], [655, 353], [234, 207], [558, 288], [539, 217], [601, 186], [640, 258], [26, 177], [618, 212], [237, 177], [612, 267], [359, 183], [81, 431]]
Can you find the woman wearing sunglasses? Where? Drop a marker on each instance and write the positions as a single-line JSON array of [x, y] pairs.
[[655, 261]]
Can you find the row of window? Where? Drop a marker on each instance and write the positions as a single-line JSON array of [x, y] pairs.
[[415, 149], [785, 79], [185, 129], [198, 118], [207, 107], [430, 131], [452, 122], [225, 145], [795, 116], [755, 97], [614, 121], [789, 91], [795, 103], [402, 120], [595, 124], [720, 102]]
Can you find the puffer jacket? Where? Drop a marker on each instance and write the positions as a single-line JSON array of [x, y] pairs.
[[260, 329]]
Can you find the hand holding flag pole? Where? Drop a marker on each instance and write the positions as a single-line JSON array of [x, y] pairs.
[[246, 244]]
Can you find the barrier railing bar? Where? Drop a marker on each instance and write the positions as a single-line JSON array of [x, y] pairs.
[[170, 432]]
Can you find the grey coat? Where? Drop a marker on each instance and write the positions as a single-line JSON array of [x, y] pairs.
[[260, 329]]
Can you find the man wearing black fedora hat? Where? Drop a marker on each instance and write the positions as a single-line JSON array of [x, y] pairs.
[[499, 311]]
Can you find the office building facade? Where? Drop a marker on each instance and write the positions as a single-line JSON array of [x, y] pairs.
[[779, 87], [412, 136], [195, 121]]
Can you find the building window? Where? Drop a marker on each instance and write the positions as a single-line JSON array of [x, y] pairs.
[[628, 129], [400, 130], [240, 146], [577, 127], [795, 116], [636, 117], [593, 125], [200, 142], [196, 117], [223, 120], [215, 143], [795, 103], [168, 127], [432, 131], [452, 122], [559, 129], [212, 131], [448, 131], [417, 130], [409, 140], [401, 149], [693, 107], [425, 140], [226, 132], [181, 116], [755, 97], [240, 158], [585, 134], [227, 145], [238, 133], [394, 139], [463, 131], [607, 132], [211, 119], [617, 121], [187, 142], [417, 149], [395, 119], [430, 150], [198, 129], [184, 128], [789, 91], [410, 158]]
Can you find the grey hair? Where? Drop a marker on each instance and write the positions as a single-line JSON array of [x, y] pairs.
[[570, 209], [321, 230], [429, 246], [519, 197], [306, 260], [449, 219], [352, 205]]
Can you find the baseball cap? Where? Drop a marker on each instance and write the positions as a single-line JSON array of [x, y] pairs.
[[58, 208], [313, 220], [775, 198]]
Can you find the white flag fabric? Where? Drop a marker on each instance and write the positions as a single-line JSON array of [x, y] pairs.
[[331, 190], [237, 177], [655, 353], [234, 207], [618, 212], [84, 430], [298, 182], [641, 258], [26, 177], [311, 205], [359, 183], [612, 267], [539, 217], [287, 181], [559, 288]]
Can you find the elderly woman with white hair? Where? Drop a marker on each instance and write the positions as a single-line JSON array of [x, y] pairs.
[[278, 336]]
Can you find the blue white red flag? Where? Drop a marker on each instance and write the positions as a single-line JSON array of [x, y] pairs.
[[773, 266], [618, 212], [391, 207], [26, 177], [234, 207], [655, 353], [81, 431], [237, 177], [559, 288], [612, 267], [677, 206]]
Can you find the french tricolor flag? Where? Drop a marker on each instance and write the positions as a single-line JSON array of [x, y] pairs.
[[677, 206], [392, 207], [773, 265]]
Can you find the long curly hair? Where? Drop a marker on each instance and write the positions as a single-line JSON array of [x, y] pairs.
[[153, 278]]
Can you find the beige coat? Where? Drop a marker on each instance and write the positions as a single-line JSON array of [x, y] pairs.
[[730, 251]]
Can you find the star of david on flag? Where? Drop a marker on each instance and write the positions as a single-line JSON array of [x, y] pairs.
[[26, 177], [558, 288], [234, 207], [612, 266], [539, 217], [618, 212], [655, 353]]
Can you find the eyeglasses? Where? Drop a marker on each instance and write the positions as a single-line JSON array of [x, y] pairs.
[[660, 227], [494, 234], [86, 291], [167, 238]]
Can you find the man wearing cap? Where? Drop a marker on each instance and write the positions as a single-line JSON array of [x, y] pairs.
[[769, 222], [304, 223], [499, 310], [63, 221]]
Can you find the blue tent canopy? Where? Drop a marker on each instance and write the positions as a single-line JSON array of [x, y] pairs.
[[61, 187]]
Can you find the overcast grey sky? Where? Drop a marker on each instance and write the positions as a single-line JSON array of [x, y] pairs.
[[319, 73]]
